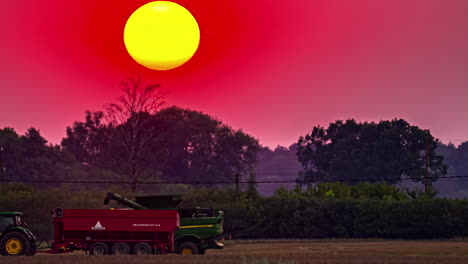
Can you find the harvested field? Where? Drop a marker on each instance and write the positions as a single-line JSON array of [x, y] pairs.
[[285, 252], [348, 247]]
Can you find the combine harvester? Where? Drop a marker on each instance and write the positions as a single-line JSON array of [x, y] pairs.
[[200, 228]]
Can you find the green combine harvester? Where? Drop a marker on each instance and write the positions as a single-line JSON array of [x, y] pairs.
[[200, 228], [15, 238]]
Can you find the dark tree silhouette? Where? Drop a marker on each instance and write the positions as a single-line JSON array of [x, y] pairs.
[[193, 146], [131, 113], [384, 151]]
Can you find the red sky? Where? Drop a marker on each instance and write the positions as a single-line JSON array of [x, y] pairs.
[[273, 68]]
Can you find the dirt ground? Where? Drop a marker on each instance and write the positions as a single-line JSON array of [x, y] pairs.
[[288, 252]]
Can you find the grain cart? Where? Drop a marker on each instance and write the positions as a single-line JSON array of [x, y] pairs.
[[200, 228], [15, 238], [117, 232]]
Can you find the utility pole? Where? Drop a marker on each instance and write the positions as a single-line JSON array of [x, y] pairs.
[[237, 175], [426, 175], [2, 168]]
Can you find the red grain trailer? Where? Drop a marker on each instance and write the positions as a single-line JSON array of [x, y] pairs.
[[102, 232]]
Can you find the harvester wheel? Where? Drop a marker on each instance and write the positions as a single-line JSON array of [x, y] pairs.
[[142, 248], [15, 244], [98, 249], [188, 248], [120, 248]]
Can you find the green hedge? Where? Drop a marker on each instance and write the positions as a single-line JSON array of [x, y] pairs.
[[286, 215], [335, 218]]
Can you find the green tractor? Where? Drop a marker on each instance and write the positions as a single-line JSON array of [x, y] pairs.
[[200, 228], [15, 238]]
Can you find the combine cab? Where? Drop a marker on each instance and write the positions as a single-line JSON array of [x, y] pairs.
[[200, 228], [15, 238]]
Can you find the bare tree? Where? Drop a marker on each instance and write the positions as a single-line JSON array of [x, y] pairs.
[[131, 113]]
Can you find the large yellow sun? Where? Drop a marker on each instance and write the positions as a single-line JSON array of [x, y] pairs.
[[161, 35]]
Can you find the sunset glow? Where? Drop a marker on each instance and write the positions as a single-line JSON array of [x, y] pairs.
[[270, 68], [161, 35]]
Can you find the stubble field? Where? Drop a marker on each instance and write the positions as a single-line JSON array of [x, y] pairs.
[[288, 251]]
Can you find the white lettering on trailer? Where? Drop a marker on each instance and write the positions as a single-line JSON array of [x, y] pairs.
[[98, 226], [151, 225]]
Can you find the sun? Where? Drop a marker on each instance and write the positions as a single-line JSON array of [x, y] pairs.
[[161, 35]]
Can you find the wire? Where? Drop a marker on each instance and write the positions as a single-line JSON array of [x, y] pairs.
[[284, 168], [453, 139], [225, 182]]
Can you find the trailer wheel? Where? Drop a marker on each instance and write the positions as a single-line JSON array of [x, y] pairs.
[[120, 248], [98, 249], [15, 244], [142, 248], [188, 248]]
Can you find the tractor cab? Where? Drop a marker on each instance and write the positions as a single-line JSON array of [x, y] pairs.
[[11, 219], [7, 220], [15, 238]]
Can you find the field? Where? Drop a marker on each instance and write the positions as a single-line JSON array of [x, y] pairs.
[[290, 251]]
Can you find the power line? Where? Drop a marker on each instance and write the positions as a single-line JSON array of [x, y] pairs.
[[453, 139], [283, 168], [276, 173], [225, 182], [292, 172]]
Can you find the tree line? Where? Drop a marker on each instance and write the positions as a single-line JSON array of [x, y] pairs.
[[185, 145], [137, 139]]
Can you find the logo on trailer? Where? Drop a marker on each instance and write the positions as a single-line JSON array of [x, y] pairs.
[[98, 226]]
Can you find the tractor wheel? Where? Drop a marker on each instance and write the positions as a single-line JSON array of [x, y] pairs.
[[32, 250], [142, 248], [120, 248], [188, 248], [98, 249], [15, 244]]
